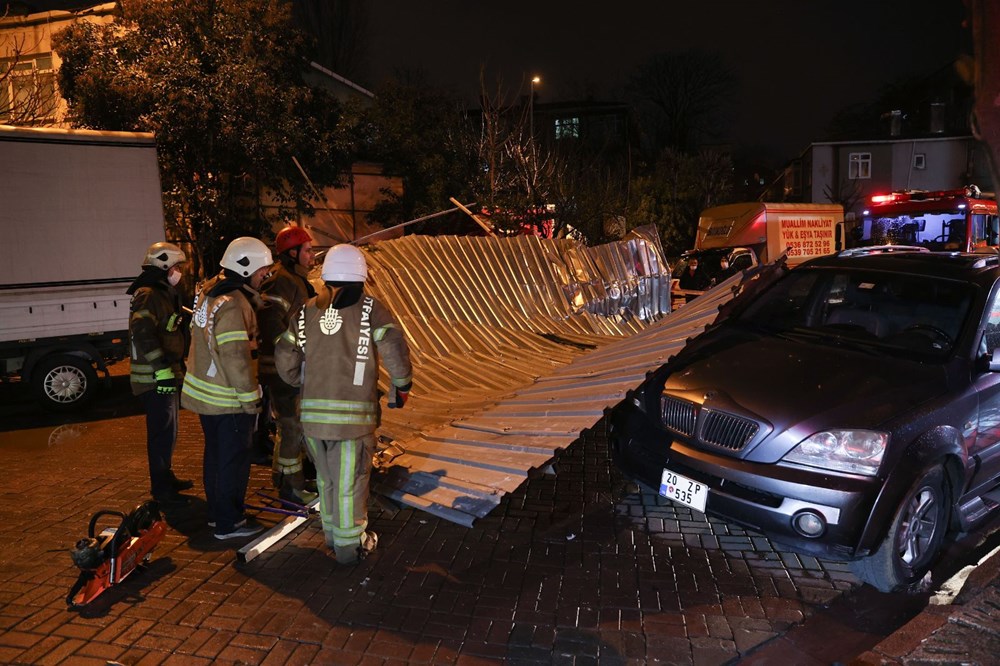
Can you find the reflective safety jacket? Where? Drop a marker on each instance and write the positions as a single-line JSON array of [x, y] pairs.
[[157, 334], [333, 354], [221, 368], [284, 291]]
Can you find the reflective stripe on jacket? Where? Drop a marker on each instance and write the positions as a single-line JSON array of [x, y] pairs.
[[221, 371], [334, 355], [283, 293], [157, 337]]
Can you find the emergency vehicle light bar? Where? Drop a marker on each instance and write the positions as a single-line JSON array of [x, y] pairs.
[[969, 191]]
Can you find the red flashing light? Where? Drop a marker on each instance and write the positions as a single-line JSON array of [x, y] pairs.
[[969, 192]]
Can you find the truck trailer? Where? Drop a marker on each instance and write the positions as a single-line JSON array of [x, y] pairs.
[[79, 208]]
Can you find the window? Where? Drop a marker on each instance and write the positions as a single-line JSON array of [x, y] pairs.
[[28, 91], [859, 166], [567, 128], [919, 161]]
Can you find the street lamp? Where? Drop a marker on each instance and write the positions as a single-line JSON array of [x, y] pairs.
[[531, 105]]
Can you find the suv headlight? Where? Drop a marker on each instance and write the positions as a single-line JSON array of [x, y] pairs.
[[854, 451]]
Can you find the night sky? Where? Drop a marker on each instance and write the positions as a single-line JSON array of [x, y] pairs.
[[798, 61]]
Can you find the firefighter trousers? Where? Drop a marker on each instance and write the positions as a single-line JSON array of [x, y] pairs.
[[286, 466], [343, 472], [161, 436], [228, 438]]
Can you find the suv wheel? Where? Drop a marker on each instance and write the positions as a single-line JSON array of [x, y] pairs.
[[914, 538]]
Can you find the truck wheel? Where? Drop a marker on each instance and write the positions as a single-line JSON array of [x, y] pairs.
[[63, 382], [914, 539]]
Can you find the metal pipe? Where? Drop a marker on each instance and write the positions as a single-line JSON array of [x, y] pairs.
[[319, 196], [403, 224]]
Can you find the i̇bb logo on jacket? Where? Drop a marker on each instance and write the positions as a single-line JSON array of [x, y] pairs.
[[331, 321], [201, 316]]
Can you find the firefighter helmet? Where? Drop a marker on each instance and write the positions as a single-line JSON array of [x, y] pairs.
[[290, 238], [246, 255], [344, 263], [163, 255]]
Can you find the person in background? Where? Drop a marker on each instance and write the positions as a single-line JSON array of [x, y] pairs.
[[692, 278], [221, 385], [284, 292], [348, 332], [159, 341], [725, 271]]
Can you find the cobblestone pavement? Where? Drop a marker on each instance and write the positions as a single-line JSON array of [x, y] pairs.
[[576, 567]]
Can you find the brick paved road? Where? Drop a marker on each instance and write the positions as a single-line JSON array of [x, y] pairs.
[[572, 568]]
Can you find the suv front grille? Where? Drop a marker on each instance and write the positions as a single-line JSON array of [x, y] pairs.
[[731, 432], [707, 425], [678, 415]]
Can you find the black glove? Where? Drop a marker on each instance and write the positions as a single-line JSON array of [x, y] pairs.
[[166, 382], [399, 395]]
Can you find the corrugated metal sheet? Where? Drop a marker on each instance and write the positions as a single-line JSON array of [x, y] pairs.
[[518, 345], [485, 316]]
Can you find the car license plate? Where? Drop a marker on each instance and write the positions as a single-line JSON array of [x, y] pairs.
[[683, 490]]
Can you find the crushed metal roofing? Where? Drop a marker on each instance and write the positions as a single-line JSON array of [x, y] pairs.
[[518, 345]]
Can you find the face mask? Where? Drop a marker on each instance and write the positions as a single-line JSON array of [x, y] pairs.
[[173, 277]]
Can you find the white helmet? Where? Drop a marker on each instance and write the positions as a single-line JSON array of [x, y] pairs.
[[246, 256], [163, 255], [344, 263]]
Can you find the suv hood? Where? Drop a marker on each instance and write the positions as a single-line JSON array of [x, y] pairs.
[[795, 389]]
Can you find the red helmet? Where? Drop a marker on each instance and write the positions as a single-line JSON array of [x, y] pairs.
[[290, 237]]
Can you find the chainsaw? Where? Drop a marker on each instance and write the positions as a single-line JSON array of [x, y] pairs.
[[107, 557]]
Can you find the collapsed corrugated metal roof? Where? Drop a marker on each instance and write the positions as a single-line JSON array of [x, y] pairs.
[[518, 344]]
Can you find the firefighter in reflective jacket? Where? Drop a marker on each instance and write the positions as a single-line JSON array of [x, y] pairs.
[[332, 348], [221, 382], [283, 293], [159, 340]]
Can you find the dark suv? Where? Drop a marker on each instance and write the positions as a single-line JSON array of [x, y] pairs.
[[848, 409]]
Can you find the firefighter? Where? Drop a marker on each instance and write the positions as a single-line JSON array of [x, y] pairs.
[[221, 385], [159, 340], [284, 291], [348, 332]]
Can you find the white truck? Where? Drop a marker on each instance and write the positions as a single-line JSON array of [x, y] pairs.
[[78, 209]]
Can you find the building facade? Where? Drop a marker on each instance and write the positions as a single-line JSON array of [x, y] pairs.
[[29, 95], [850, 172]]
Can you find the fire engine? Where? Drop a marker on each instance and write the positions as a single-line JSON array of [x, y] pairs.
[[962, 220]]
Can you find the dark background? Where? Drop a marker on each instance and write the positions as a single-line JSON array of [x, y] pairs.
[[798, 61]]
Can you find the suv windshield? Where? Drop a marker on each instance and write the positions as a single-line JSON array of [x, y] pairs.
[[896, 312]]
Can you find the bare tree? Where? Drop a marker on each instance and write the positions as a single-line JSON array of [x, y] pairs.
[[679, 98], [339, 28], [27, 95], [848, 193], [515, 172]]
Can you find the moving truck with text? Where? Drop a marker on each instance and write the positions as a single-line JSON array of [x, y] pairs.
[[755, 232], [78, 209], [803, 231]]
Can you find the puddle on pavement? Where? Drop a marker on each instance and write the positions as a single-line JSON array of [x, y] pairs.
[[41, 438]]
